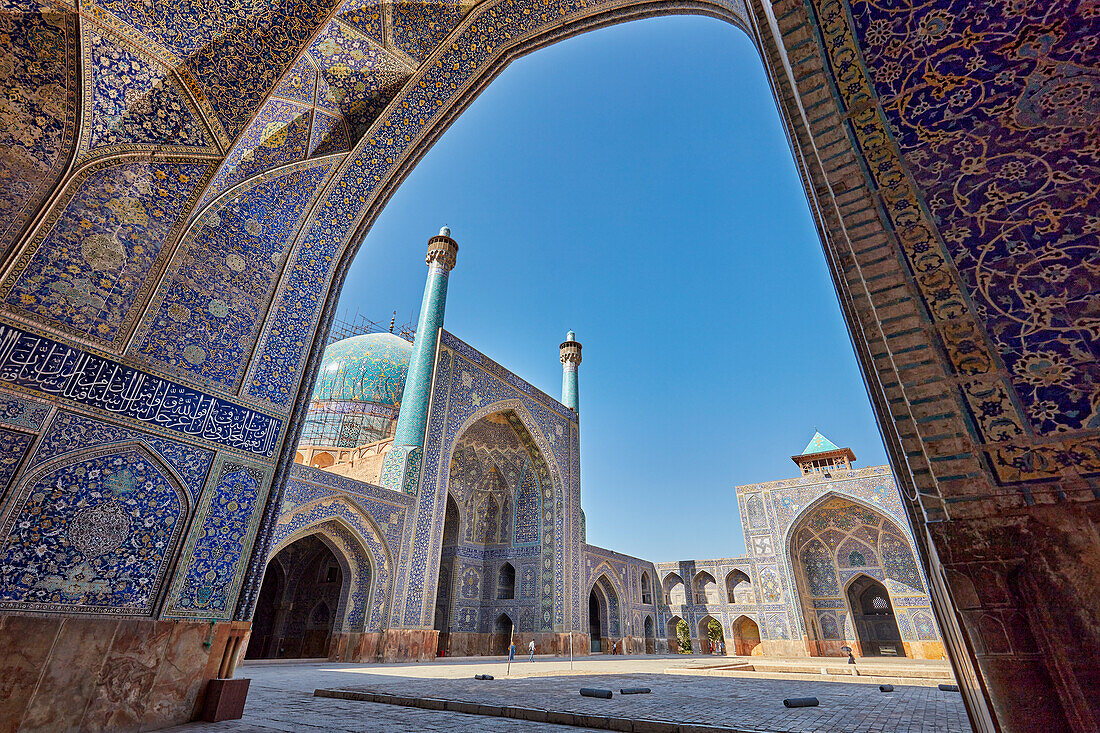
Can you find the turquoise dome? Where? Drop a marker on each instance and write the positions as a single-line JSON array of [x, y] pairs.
[[367, 368]]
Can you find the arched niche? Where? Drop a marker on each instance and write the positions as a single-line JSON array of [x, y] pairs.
[[605, 614], [500, 480], [705, 588], [739, 588], [359, 544], [306, 586], [746, 637], [93, 532], [674, 589], [834, 540]]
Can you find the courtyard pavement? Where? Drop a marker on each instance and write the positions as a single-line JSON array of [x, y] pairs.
[[281, 698]]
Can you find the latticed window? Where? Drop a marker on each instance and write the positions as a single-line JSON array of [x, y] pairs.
[[880, 604]]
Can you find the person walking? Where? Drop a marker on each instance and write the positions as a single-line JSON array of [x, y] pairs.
[[531, 647], [511, 651]]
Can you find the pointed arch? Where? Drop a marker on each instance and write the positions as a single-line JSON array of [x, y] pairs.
[[705, 589], [609, 596], [506, 582], [712, 635], [746, 636], [532, 521], [121, 506], [739, 588], [836, 539], [674, 589], [361, 538]]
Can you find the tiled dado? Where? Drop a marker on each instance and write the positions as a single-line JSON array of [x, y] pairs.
[[94, 674]]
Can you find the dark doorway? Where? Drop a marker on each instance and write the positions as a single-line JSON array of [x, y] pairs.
[[594, 621], [502, 634], [263, 621], [506, 582], [446, 574], [650, 636], [295, 614], [874, 621]]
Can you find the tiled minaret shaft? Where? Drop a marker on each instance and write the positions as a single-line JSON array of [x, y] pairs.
[[401, 468], [570, 360]]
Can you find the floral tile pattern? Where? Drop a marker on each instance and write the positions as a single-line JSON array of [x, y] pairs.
[[135, 100], [85, 274], [995, 108], [92, 536], [278, 135], [39, 123], [209, 311], [207, 586]]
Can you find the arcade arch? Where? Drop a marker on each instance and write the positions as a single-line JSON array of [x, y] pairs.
[[712, 637], [872, 613], [746, 637], [706, 588], [502, 634], [739, 588], [674, 590]]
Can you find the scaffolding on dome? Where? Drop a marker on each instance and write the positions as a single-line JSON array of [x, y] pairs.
[[350, 423], [345, 326]]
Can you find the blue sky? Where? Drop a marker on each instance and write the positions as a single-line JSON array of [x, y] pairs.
[[634, 184]]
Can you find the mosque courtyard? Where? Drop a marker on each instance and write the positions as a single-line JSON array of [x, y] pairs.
[[282, 698]]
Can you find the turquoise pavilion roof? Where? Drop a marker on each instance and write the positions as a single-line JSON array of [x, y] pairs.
[[819, 444], [367, 368]]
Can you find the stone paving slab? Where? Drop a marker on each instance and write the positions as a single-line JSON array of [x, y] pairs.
[[746, 704]]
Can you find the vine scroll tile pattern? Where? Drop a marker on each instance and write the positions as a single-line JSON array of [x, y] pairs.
[[976, 119], [213, 560]]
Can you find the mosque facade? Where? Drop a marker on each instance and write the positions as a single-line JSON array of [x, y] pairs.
[[495, 551]]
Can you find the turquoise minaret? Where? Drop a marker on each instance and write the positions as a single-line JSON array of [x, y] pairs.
[[401, 467], [570, 360]]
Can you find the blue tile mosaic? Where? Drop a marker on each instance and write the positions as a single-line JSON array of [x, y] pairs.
[[50, 368], [137, 101], [93, 535], [210, 308], [209, 579], [69, 432], [41, 61], [101, 248]]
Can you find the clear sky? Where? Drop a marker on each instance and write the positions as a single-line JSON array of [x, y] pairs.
[[634, 184]]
